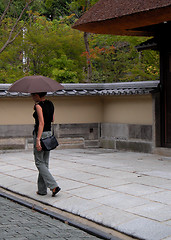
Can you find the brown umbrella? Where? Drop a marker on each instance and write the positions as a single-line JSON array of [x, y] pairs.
[[125, 17], [34, 84]]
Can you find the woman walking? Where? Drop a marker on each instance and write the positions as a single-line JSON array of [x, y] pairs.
[[43, 115]]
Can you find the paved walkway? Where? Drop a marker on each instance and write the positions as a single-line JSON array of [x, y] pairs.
[[130, 192]]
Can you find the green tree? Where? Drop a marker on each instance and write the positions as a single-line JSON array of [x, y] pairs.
[[53, 49], [11, 13], [11, 67], [50, 48], [51, 9], [56, 8], [78, 7]]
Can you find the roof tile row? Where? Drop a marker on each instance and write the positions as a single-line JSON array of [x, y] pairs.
[[91, 89]]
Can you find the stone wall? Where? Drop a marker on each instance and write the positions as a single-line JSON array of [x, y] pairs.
[[130, 137], [69, 136]]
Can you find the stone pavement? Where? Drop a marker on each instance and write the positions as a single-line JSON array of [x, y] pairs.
[[20, 223], [129, 192]]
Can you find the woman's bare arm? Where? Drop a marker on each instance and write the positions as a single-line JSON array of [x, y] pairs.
[[41, 126]]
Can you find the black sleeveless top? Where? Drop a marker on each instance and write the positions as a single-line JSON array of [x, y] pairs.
[[48, 111]]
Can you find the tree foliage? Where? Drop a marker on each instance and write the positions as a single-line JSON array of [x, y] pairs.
[[52, 9], [115, 58], [11, 13], [47, 45], [49, 48], [78, 7]]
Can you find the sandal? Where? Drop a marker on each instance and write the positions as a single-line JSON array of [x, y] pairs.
[[41, 194]]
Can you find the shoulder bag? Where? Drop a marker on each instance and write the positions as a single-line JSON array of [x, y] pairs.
[[49, 143]]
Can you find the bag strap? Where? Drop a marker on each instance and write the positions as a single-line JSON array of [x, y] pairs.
[[52, 128]]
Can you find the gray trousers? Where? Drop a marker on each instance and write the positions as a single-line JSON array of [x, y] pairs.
[[45, 178]]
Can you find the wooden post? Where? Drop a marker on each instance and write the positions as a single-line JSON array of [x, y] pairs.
[[165, 78]]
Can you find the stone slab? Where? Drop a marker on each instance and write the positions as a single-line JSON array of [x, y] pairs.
[[89, 192], [121, 200], [162, 197], [134, 146], [108, 216], [117, 131], [76, 205], [153, 211], [145, 229], [136, 189]]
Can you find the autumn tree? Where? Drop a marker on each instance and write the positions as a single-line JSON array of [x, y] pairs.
[[115, 59]]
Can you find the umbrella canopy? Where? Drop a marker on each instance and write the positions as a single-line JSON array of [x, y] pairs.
[[35, 84], [125, 17]]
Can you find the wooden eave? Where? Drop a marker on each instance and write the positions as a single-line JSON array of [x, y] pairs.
[[129, 25]]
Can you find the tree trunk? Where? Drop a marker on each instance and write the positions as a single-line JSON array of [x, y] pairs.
[[89, 68]]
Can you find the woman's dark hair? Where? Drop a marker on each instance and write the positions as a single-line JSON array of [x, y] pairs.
[[41, 94]]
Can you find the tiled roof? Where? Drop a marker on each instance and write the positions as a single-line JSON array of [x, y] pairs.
[[149, 44], [108, 9], [93, 89], [123, 17]]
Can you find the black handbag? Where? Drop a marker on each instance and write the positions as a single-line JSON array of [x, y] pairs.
[[49, 143]]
